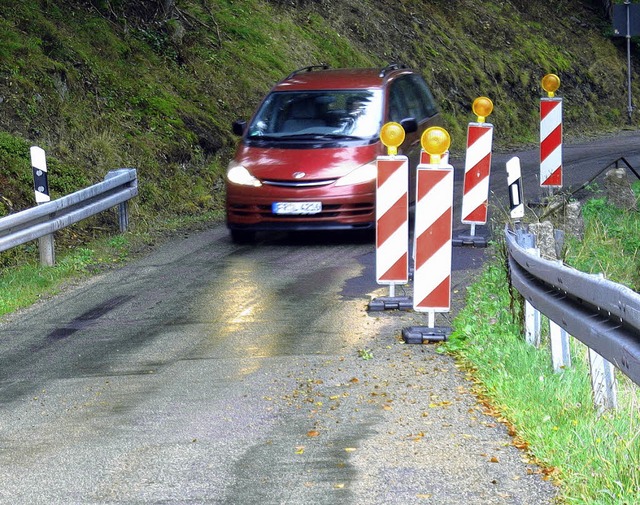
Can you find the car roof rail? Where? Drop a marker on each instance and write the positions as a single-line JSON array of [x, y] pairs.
[[390, 67], [310, 68]]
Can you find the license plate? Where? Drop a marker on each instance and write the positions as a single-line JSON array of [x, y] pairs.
[[296, 208]]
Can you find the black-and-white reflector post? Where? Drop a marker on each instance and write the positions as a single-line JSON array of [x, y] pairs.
[[40, 181], [514, 180]]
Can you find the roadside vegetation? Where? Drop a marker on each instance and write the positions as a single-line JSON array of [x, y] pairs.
[[155, 85], [595, 458]]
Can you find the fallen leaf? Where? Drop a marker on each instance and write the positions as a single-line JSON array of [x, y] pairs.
[[350, 449], [313, 433], [300, 449], [494, 459]]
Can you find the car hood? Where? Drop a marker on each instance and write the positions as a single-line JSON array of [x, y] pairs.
[[317, 163]]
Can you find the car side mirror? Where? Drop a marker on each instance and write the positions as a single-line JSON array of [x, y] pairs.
[[409, 124], [238, 127]]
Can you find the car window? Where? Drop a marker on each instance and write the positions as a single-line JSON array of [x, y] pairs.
[[425, 95], [410, 97], [340, 112]]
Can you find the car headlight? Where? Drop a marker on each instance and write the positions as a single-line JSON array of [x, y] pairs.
[[237, 174], [362, 174]]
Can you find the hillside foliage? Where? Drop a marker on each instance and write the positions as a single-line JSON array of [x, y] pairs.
[[155, 84]]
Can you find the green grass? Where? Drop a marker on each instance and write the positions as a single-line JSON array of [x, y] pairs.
[[611, 245], [24, 285], [595, 458]]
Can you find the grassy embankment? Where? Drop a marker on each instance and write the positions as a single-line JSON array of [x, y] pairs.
[[596, 458]]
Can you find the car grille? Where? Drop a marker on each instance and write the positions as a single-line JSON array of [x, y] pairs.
[[299, 184]]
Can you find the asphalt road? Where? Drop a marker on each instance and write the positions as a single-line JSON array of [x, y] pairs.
[[208, 372]]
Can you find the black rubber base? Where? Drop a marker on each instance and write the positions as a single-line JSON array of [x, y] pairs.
[[424, 334], [469, 241], [391, 303]]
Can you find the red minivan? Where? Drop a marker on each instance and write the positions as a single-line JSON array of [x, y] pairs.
[[307, 158]]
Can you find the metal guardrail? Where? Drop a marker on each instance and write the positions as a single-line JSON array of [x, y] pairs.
[[601, 314], [118, 187]]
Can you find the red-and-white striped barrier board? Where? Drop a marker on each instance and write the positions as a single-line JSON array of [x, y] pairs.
[[392, 220], [475, 193], [425, 158], [433, 229], [551, 142]]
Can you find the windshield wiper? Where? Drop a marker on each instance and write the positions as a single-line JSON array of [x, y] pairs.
[[342, 136], [319, 136], [265, 137]]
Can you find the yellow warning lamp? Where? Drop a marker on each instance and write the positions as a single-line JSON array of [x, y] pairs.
[[392, 136], [436, 142], [550, 83], [482, 107]]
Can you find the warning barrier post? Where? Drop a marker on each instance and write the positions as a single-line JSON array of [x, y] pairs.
[[432, 238], [550, 135], [392, 220], [475, 194]]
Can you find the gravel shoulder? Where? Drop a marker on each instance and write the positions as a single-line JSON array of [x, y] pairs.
[[423, 436]]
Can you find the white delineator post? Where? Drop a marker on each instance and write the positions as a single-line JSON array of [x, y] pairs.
[[551, 134], [41, 189], [40, 180], [514, 182]]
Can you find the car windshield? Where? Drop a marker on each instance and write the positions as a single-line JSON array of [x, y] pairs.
[[341, 113]]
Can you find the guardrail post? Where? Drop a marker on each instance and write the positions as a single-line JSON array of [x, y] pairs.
[[123, 216], [527, 241], [532, 325], [603, 382], [560, 353], [123, 208], [46, 248]]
